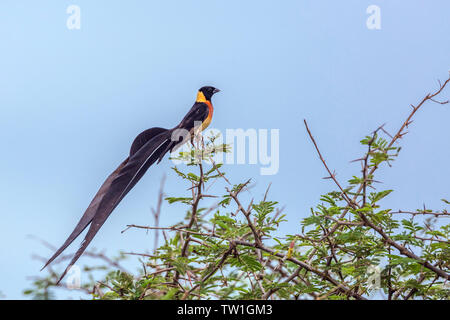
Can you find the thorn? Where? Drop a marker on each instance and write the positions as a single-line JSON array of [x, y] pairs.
[[360, 159], [439, 102], [379, 128], [402, 134]]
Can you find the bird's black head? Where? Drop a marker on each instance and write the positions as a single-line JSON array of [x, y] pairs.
[[208, 92]]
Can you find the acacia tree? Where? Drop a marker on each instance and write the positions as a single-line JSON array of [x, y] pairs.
[[349, 246]]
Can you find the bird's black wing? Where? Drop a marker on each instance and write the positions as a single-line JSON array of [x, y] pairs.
[[198, 113]]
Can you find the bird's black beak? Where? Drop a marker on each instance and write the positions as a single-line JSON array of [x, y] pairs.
[[216, 90]]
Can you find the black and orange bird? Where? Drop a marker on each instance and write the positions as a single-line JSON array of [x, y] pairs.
[[149, 147]]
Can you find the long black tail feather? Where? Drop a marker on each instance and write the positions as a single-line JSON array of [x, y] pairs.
[[146, 149]]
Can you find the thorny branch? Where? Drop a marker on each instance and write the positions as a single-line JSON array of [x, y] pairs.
[[352, 202]]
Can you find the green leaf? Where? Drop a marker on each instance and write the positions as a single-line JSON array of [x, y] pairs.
[[375, 197], [186, 200]]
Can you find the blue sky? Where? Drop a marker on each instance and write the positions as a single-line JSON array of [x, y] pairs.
[[73, 100]]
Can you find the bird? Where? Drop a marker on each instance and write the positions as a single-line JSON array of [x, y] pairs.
[[148, 147]]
